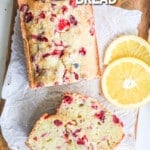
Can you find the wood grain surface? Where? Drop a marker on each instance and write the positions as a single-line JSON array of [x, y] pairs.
[[142, 5]]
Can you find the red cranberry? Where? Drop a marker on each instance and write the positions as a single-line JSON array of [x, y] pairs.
[[42, 15], [73, 20], [46, 55], [53, 5], [81, 141], [92, 31], [76, 132], [82, 51], [28, 17], [58, 122], [66, 135], [37, 69], [32, 58], [42, 39], [44, 134], [115, 119], [63, 25], [52, 18], [39, 38], [24, 8], [68, 99], [64, 9], [100, 115], [58, 53], [94, 106], [58, 44], [76, 76], [72, 3], [70, 123]]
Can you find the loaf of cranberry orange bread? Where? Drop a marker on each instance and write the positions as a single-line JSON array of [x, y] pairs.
[[57, 133], [59, 42], [101, 126]]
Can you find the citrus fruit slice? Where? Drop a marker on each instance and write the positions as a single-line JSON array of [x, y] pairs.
[[128, 46], [126, 82]]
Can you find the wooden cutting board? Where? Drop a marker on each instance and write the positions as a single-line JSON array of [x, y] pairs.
[[143, 5]]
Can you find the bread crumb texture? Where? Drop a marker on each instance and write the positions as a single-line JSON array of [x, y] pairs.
[[60, 41], [81, 122]]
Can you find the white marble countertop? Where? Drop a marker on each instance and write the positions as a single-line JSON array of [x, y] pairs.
[[143, 134]]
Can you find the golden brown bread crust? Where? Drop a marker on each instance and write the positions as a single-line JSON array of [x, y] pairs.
[[26, 48], [87, 71]]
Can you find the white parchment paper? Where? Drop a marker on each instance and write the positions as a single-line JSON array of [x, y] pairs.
[[24, 106]]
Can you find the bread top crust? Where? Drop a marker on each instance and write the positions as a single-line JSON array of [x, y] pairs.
[[60, 42]]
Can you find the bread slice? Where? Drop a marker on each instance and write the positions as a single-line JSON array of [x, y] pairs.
[[57, 133], [102, 127], [59, 42], [81, 123]]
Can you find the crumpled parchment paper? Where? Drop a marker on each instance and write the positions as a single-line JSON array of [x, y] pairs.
[[24, 106]]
